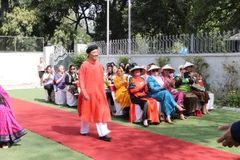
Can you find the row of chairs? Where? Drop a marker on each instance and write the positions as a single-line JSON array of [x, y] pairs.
[[62, 97], [138, 110]]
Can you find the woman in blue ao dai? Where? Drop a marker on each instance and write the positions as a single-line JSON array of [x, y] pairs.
[[158, 90]]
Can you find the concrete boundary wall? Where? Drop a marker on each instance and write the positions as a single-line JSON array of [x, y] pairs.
[[215, 61], [18, 68]]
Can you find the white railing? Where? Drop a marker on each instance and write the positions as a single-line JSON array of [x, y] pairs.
[[213, 42]]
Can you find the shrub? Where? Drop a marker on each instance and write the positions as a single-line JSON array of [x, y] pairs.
[[161, 61], [123, 59], [231, 75], [78, 59], [233, 98]]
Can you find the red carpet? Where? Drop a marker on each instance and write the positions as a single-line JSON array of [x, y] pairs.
[[128, 143]]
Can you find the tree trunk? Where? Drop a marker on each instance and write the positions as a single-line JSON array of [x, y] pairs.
[[4, 7]]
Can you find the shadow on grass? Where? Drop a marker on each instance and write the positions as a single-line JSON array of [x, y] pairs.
[[15, 145], [40, 100]]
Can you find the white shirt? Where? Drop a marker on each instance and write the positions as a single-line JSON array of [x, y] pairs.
[[49, 81]]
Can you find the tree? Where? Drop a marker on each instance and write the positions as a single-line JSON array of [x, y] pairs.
[[4, 7], [49, 16], [118, 20], [218, 15], [159, 17], [62, 21], [19, 22]]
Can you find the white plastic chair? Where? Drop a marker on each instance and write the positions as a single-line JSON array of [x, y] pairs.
[[210, 101], [116, 105]]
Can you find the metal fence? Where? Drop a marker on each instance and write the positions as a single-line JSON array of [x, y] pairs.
[[214, 42], [21, 44]]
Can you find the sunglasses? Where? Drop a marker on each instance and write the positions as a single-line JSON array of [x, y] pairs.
[[155, 70]]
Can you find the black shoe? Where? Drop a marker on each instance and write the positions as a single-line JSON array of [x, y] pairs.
[[105, 138], [84, 134]]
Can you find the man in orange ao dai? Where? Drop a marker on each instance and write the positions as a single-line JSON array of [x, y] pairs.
[[92, 101]]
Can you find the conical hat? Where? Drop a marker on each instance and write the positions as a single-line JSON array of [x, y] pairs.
[[154, 67], [168, 66], [137, 67], [187, 64]]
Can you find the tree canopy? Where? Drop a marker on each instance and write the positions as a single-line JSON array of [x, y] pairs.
[[65, 21]]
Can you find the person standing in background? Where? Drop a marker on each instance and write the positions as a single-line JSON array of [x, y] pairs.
[[41, 70]]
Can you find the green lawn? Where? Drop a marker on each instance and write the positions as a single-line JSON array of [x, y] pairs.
[[196, 130], [36, 147]]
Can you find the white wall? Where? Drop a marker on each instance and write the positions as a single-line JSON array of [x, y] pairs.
[[17, 68]]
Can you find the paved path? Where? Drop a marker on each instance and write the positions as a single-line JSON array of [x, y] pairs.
[[228, 108]]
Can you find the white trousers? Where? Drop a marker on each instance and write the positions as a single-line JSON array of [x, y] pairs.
[[101, 128]]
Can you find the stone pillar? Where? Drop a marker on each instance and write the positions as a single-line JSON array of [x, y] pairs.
[[47, 51], [80, 48]]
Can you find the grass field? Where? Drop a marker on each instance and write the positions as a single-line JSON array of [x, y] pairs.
[[201, 131]]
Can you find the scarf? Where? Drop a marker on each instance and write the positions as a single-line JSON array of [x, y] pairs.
[[159, 80], [178, 74]]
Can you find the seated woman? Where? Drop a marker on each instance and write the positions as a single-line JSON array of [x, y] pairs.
[[178, 96], [59, 78], [48, 81], [138, 95], [200, 92], [107, 83], [115, 68], [183, 81], [59, 81], [127, 69], [203, 96], [211, 95], [158, 90], [122, 95], [109, 73], [10, 130], [71, 81]]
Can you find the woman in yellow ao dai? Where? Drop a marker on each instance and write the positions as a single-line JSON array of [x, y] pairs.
[[121, 85]]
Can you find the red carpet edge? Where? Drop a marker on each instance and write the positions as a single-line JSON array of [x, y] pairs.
[[128, 143]]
